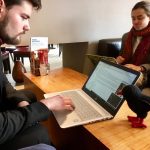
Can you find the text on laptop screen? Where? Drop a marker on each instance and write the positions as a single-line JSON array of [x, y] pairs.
[[107, 80]]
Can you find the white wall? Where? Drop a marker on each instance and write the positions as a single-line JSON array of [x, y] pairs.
[[65, 21]]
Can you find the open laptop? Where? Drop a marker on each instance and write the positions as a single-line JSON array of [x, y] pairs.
[[99, 98], [96, 58]]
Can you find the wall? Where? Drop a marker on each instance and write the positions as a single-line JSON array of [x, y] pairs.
[[71, 21], [65, 21]]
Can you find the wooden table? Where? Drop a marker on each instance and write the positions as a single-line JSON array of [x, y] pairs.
[[115, 134]]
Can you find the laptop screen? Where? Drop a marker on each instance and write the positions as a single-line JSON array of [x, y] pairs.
[[106, 82]]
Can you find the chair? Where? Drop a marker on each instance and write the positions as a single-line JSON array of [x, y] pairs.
[[6, 60], [21, 52], [11, 51], [109, 47]]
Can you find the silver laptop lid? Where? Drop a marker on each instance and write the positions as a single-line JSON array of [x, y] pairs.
[[105, 82]]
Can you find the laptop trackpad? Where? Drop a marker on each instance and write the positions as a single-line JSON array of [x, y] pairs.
[[65, 118]]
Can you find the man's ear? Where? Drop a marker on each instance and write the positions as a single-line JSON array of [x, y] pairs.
[[2, 9], [2, 4]]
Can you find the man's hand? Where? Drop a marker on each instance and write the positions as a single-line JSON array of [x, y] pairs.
[[23, 104], [58, 103]]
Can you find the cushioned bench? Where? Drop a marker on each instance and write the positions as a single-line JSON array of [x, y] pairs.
[[109, 47]]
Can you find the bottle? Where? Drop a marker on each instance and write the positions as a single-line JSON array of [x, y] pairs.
[[37, 66]]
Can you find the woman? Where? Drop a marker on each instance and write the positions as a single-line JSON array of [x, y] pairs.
[[135, 54]]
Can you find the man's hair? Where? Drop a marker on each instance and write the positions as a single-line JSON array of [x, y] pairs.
[[144, 5], [35, 3]]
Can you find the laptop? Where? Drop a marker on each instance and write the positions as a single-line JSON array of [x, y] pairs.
[[99, 99], [96, 58]]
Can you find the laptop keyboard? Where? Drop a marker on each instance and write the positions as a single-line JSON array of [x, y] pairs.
[[84, 109]]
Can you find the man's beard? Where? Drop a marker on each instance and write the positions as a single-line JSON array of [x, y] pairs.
[[4, 36]]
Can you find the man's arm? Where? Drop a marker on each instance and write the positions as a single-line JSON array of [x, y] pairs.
[[12, 122], [13, 94]]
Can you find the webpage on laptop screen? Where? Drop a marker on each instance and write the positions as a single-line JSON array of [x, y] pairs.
[[106, 82]]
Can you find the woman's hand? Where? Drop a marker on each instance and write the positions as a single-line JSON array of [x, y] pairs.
[[120, 59], [134, 67]]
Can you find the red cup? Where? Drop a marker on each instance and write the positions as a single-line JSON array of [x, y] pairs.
[[43, 56]]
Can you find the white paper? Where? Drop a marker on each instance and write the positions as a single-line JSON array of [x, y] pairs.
[[37, 43]]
